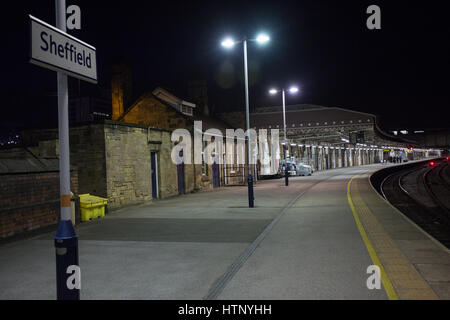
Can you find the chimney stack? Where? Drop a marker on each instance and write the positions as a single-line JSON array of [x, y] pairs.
[[120, 89]]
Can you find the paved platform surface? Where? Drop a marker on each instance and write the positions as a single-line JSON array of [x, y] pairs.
[[312, 240]]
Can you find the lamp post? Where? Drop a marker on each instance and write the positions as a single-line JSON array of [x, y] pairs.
[[229, 43], [292, 90]]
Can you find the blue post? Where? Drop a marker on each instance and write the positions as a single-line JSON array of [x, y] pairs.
[[251, 197], [286, 175], [66, 244]]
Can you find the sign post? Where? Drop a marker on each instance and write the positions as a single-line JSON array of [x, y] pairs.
[[66, 240], [54, 49]]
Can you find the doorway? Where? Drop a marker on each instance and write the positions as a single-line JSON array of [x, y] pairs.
[[154, 174]]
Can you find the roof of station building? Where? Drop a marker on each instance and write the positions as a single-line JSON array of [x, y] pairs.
[[307, 115]]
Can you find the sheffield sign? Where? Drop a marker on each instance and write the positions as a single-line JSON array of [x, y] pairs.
[[54, 49]]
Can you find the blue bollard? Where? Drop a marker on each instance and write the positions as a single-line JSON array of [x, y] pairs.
[[66, 245], [251, 197], [286, 176]]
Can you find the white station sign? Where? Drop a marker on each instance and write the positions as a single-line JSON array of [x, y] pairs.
[[56, 50]]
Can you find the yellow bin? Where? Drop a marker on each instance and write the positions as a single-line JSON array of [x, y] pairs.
[[92, 207]]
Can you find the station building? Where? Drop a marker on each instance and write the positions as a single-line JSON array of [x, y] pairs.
[[328, 138]]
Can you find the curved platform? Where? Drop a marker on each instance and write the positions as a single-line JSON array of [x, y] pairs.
[[415, 265]]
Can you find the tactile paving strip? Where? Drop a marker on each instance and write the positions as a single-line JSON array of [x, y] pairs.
[[406, 280]]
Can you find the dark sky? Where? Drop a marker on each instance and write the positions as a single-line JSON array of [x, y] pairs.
[[399, 73]]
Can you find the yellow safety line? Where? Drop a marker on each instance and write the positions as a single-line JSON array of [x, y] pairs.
[[388, 287]]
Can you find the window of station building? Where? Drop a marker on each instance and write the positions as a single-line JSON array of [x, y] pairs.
[[186, 110]]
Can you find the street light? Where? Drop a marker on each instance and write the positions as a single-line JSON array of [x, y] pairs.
[[291, 90], [229, 43], [262, 38]]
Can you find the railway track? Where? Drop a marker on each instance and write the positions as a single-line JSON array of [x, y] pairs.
[[437, 187], [422, 193]]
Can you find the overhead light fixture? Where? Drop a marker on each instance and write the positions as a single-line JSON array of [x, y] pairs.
[[293, 90], [228, 43], [262, 38]]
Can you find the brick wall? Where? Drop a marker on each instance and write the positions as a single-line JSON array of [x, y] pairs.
[[29, 201]]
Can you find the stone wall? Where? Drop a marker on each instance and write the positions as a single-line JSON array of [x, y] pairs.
[[128, 164], [128, 178], [87, 153], [168, 179]]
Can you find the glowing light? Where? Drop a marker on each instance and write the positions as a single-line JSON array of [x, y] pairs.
[[262, 38], [273, 91], [228, 43], [293, 90]]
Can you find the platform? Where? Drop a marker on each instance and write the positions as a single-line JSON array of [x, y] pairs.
[[312, 240]]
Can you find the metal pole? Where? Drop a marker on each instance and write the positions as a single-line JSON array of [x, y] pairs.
[[286, 170], [66, 240], [284, 114], [247, 115]]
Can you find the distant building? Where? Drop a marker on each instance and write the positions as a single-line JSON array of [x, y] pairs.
[[324, 137]]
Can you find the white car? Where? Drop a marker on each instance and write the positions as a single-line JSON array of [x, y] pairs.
[[304, 170]]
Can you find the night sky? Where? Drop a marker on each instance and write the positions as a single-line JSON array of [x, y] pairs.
[[399, 73]]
